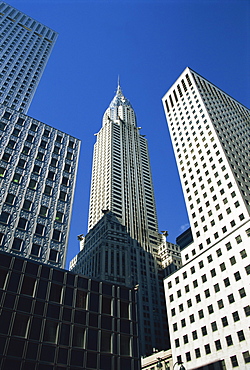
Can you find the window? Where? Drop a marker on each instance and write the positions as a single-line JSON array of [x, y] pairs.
[[67, 168], [195, 283], [56, 150], [242, 292], [234, 361], [36, 169], [237, 276], [226, 282], [185, 338], [4, 217], [188, 356], [65, 181], [194, 334], [201, 314], [183, 323], [33, 127], [210, 309], [247, 310], [10, 198], [6, 157], [53, 255], [35, 250], [17, 178], [229, 340], [219, 253], [214, 326], [217, 345], [207, 349], [51, 175], [26, 150], [53, 162], [40, 156], [62, 195], [43, 211], [32, 184], [59, 139], [241, 335], [27, 205], [230, 298], [47, 190], [213, 273], [220, 304], [197, 352], [191, 318], [216, 288], [177, 343], [233, 260], [17, 244], [43, 144], [2, 171], [204, 278], [222, 266], [198, 298], [39, 229], [204, 330], [238, 239], [247, 268], [56, 235], [246, 356], [243, 254], [59, 216], [21, 163], [224, 321], [235, 316], [207, 293], [175, 328], [22, 223], [181, 307]]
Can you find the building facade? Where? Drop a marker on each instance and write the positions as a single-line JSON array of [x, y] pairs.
[[25, 48], [38, 165], [208, 298], [123, 243], [53, 319]]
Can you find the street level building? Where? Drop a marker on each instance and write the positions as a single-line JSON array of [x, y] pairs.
[[208, 298], [53, 319], [123, 243], [25, 47]]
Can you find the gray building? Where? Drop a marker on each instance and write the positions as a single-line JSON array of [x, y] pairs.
[[24, 51], [37, 174], [123, 243], [38, 163]]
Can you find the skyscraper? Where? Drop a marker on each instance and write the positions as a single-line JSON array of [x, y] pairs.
[[26, 45], [210, 135], [38, 163], [123, 243], [121, 175]]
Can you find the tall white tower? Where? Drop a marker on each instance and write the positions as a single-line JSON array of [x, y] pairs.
[[208, 298], [121, 175]]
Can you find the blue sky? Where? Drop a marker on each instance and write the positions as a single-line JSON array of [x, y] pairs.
[[148, 43]]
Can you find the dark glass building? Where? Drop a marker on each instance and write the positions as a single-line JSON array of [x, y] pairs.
[[54, 319]]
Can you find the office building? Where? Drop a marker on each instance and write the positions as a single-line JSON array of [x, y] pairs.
[[38, 165], [54, 319], [123, 243], [208, 298], [25, 48]]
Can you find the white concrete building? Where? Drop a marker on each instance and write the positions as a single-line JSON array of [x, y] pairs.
[[208, 298]]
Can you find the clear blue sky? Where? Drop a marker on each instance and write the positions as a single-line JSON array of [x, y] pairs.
[[147, 43]]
